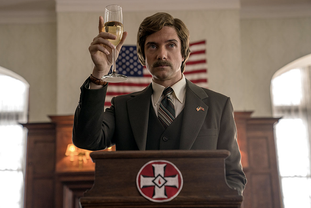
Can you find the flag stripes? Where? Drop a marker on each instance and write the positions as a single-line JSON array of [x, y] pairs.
[[139, 77]]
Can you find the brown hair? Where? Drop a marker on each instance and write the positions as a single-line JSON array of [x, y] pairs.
[[154, 24]]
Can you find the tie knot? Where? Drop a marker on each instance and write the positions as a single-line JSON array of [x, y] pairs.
[[168, 91]]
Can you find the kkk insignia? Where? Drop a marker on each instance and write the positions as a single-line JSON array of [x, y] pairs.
[[159, 181]]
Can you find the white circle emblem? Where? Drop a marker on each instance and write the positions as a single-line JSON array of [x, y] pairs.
[[159, 181]]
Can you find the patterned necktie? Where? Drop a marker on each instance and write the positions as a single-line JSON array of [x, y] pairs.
[[166, 113]]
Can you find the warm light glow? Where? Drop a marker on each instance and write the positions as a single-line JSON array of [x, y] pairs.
[[71, 151], [82, 155], [71, 148]]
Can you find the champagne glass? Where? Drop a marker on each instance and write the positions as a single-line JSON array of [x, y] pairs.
[[113, 23]]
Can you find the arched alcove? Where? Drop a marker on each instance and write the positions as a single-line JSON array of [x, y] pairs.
[[291, 100], [14, 91]]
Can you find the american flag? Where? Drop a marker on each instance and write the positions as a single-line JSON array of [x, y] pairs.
[[139, 77]]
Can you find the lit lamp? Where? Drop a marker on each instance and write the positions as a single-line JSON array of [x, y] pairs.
[[72, 151]]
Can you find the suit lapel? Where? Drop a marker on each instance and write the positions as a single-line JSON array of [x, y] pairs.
[[138, 110], [139, 106], [193, 118]]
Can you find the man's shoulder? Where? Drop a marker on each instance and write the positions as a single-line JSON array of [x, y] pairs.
[[133, 94], [215, 94], [209, 93]]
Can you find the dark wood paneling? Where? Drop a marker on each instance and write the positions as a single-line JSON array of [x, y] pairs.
[[42, 189], [263, 188], [40, 165], [259, 154], [53, 181], [261, 191]]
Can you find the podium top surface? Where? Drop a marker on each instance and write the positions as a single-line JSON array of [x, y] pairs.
[[161, 153]]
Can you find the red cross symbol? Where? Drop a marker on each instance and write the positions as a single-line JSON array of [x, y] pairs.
[[159, 181]]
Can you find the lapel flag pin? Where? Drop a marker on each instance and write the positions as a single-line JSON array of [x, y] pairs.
[[200, 108]]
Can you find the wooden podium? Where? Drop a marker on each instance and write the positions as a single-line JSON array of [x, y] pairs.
[[203, 179]]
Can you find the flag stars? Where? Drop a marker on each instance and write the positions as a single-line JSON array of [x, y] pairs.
[[196, 68]]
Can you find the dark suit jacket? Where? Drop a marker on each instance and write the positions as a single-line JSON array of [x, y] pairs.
[[125, 124]]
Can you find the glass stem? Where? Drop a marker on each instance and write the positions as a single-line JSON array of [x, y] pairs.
[[114, 67]]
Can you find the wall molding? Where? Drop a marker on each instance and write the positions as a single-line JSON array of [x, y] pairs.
[[27, 17], [141, 5], [275, 11], [246, 11]]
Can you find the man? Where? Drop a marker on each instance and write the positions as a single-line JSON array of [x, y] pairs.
[[197, 118]]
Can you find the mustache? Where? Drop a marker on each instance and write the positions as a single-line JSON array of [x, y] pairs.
[[162, 63]]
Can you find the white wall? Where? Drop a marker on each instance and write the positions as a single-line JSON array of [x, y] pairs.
[[30, 51], [220, 28], [267, 46], [243, 54]]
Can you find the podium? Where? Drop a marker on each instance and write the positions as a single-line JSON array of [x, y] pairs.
[[196, 177]]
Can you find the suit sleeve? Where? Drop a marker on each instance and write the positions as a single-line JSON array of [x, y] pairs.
[[93, 127], [228, 140]]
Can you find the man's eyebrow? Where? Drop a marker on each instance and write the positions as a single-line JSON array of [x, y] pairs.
[[167, 41], [172, 40], [151, 43]]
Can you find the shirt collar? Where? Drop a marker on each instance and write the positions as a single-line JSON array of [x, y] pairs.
[[179, 90]]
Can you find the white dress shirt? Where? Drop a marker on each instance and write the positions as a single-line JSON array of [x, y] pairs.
[[178, 96]]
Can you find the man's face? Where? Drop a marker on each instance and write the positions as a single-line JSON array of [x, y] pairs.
[[163, 56]]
